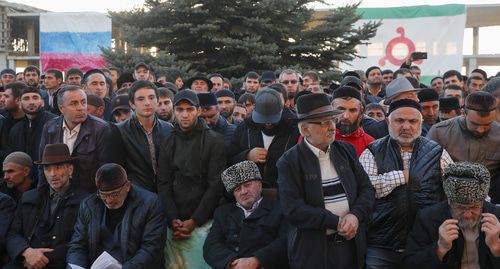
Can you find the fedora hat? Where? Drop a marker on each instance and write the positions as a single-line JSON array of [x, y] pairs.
[[198, 76], [54, 154], [312, 106]]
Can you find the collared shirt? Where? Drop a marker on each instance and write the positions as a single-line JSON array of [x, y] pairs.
[[470, 256], [251, 210], [385, 183], [151, 144], [70, 136], [55, 198]]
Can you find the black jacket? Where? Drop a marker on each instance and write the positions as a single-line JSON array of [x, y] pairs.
[[263, 235], [90, 148], [226, 129], [422, 241], [7, 207], [301, 196], [142, 234], [25, 135], [189, 170], [249, 135], [394, 214], [31, 216], [137, 157]]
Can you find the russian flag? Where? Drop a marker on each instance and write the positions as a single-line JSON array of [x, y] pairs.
[[73, 39]]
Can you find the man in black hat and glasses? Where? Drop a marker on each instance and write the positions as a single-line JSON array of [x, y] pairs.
[[45, 216], [324, 192]]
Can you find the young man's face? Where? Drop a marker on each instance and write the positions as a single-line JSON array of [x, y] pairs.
[[51, 82], [387, 78], [453, 80], [145, 102], [376, 113], [165, 108], [31, 103], [186, 114], [32, 78], [74, 79], [141, 73], [7, 78], [252, 85], [10, 102]]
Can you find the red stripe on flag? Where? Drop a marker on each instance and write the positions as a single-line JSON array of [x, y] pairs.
[[65, 61]]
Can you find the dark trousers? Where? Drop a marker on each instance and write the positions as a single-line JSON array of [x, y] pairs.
[[381, 258], [341, 255]]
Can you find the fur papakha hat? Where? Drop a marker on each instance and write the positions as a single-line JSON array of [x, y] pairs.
[[466, 183], [240, 173]]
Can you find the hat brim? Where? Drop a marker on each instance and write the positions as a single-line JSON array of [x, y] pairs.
[[319, 115], [191, 80], [70, 160], [124, 107], [263, 119], [388, 101]]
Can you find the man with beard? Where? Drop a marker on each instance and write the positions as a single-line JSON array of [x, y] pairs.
[[7, 76], [17, 175], [405, 169], [11, 98], [348, 100], [265, 136], [226, 104], [374, 81], [32, 76], [462, 232], [474, 137], [214, 119], [165, 110], [25, 135], [429, 100]]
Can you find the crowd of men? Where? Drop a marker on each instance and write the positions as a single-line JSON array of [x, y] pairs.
[[147, 170]]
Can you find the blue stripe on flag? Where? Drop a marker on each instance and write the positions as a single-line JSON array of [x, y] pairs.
[[72, 42]]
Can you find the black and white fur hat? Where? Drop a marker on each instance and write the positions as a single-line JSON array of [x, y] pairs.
[[240, 173], [466, 183]]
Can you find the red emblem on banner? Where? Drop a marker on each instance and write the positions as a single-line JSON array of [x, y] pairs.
[[402, 39]]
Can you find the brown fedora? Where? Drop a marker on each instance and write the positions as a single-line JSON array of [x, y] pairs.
[[54, 154]]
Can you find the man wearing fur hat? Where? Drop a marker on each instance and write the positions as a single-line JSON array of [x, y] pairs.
[[462, 232], [250, 233], [324, 192]]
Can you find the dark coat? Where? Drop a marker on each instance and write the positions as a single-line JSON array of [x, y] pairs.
[[90, 148], [189, 170], [249, 135], [422, 242], [30, 212], [301, 196], [7, 207], [263, 235], [142, 237], [137, 157], [25, 135], [376, 129], [226, 129]]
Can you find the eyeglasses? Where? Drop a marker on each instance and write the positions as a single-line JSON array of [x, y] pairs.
[[325, 122], [464, 208], [289, 81], [112, 195]]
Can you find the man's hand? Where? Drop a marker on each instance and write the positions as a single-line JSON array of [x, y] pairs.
[[348, 226], [448, 232], [409, 60], [491, 228], [34, 258], [245, 263], [180, 232], [257, 155]]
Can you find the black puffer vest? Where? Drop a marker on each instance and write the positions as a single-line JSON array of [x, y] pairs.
[[393, 215]]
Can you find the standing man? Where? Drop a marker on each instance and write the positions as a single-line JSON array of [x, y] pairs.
[[474, 137], [7, 76], [453, 77], [324, 192], [141, 71], [52, 82], [210, 113], [199, 83], [429, 100], [85, 135], [45, 216], [191, 161], [374, 81], [291, 79], [226, 104], [462, 232], [217, 82], [405, 170], [122, 219], [437, 84], [251, 84], [11, 98], [449, 107], [165, 110], [142, 135], [387, 76], [74, 76], [32, 76], [95, 83]]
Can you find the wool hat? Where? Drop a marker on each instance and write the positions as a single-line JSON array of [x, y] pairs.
[[404, 103], [8, 71], [73, 71], [94, 100], [346, 91], [187, 95], [124, 78], [20, 158], [207, 99], [198, 76], [240, 173], [110, 176], [55, 154], [448, 103], [427, 95], [481, 101], [351, 74], [268, 106], [120, 102], [316, 105], [225, 93], [396, 87], [466, 183], [267, 76]]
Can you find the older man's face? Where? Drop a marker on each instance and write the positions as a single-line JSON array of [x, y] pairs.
[[57, 175], [468, 215], [405, 125], [248, 193]]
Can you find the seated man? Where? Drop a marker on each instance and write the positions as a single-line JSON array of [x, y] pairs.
[[17, 175], [125, 221], [45, 216], [251, 233], [462, 232]]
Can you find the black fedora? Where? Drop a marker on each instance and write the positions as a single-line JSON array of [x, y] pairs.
[[54, 154], [312, 106], [199, 76]]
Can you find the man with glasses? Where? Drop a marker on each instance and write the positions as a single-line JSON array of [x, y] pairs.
[[324, 192], [45, 216], [463, 232], [291, 79], [405, 169], [123, 220]]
